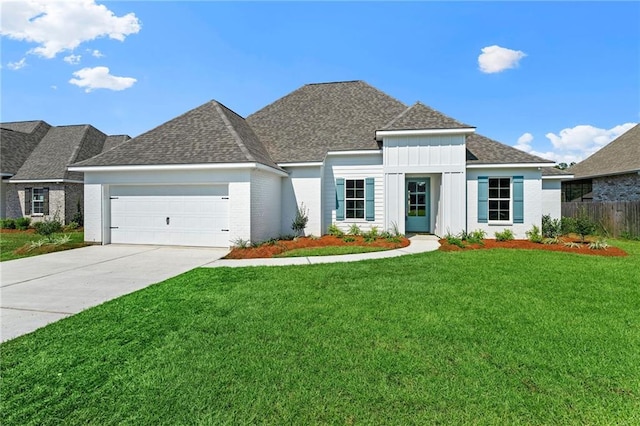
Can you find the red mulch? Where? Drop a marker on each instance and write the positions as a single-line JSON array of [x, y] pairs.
[[270, 250], [528, 245]]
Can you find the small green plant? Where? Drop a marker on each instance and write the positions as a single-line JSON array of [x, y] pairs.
[[23, 223], [77, 216], [354, 229], [395, 230], [62, 239], [551, 228], [299, 223], [626, 235], [36, 244], [572, 244], [8, 224], [583, 224], [270, 242], [505, 235], [48, 227], [534, 235], [335, 231], [599, 244], [313, 237], [287, 237], [348, 238], [476, 237], [72, 226], [372, 235], [240, 243], [454, 240]]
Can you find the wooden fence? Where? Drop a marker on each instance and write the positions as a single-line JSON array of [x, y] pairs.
[[614, 217]]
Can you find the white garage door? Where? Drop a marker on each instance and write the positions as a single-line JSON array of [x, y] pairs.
[[187, 215]]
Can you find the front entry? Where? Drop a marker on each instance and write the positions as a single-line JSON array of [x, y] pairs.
[[418, 206]]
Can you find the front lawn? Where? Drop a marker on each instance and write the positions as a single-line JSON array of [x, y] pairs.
[[472, 337], [14, 244]]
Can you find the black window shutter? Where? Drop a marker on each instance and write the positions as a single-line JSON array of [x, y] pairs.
[[45, 204], [27, 201]]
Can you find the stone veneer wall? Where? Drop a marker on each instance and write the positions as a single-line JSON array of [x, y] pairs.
[[617, 188], [63, 200]]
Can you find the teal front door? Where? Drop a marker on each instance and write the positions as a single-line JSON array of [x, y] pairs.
[[418, 206]]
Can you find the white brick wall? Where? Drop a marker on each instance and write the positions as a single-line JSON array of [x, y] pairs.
[[304, 185], [93, 213], [265, 205]]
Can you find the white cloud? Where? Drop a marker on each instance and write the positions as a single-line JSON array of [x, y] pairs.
[[496, 59], [573, 144], [72, 59], [62, 25], [54, 87], [96, 53], [17, 65], [99, 78]]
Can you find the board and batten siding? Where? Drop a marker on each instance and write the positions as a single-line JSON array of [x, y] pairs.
[[304, 185], [532, 201], [442, 158], [265, 207], [551, 197], [367, 165]]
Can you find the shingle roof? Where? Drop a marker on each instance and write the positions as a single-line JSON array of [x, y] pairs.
[[622, 155], [114, 140], [316, 118], [210, 133], [482, 150], [553, 171], [17, 141], [61, 146], [420, 116]]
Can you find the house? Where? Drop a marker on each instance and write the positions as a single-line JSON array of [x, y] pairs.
[[611, 174], [347, 151], [35, 180]]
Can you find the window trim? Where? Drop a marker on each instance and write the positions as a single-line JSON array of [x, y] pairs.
[[34, 201], [363, 199], [489, 199]]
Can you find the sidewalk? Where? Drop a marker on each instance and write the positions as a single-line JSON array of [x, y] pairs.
[[419, 244]]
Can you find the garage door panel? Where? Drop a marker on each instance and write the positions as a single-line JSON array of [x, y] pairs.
[[139, 216]]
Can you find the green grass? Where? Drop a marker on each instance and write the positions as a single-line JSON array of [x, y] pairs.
[[329, 251], [475, 337], [9, 242]]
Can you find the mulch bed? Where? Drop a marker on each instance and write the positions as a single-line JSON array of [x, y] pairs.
[[280, 246], [17, 231], [528, 245]]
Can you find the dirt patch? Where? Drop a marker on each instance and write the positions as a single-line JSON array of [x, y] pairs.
[[17, 231], [583, 247], [48, 248], [273, 248]]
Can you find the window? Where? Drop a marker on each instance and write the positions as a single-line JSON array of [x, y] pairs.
[[354, 198], [499, 199], [37, 201]]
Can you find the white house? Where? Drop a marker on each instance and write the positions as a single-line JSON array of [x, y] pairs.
[[349, 152]]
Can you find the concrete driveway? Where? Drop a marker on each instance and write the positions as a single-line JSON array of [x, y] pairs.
[[39, 290]]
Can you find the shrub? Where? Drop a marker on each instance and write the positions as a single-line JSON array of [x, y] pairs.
[[48, 227], [583, 225], [551, 228], [454, 240], [348, 238], [505, 235], [354, 229], [476, 237], [534, 235], [567, 225], [301, 219], [8, 224], [335, 231], [78, 218], [371, 235], [23, 223]]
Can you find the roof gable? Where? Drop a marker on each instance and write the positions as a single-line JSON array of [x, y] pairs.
[[622, 155], [61, 146], [114, 140], [419, 116], [17, 142], [316, 118], [210, 133], [482, 150]]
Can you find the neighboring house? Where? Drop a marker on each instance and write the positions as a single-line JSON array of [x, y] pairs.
[[35, 179], [349, 152], [611, 174]]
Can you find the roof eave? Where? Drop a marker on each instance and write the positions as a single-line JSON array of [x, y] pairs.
[[380, 134], [508, 165], [179, 167]]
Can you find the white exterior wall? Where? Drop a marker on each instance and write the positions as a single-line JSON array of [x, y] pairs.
[[551, 198], [97, 207], [304, 185], [439, 157], [532, 197], [366, 165], [265, 205]]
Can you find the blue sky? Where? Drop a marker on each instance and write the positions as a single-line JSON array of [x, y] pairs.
[[560, 79]]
